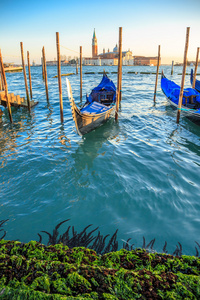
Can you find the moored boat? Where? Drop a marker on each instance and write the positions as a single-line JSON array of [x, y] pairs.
[[197, 82], [191, 99], [98, 108]]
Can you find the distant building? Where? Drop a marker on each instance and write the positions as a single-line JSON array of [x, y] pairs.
[[107, 58], [192, 63], [110, 58], [54, 62], [145, 61], [94, 45]]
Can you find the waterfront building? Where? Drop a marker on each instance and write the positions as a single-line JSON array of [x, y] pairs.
[[110, 58], [145, 61]]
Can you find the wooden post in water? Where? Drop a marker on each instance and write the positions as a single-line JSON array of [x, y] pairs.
[[59, 76], [2, 82], [80, 73], [158, 64], [42, 68], [77, 67], [29, 73], [119, 77], [45, 73], [172, 70], [5, 87], [183, 75], [195, 70], [25, 79]]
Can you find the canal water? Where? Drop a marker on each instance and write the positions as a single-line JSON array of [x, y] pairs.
[[139, 175]]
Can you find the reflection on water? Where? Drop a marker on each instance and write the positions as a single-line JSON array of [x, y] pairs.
[[140, 174], [89, 147]]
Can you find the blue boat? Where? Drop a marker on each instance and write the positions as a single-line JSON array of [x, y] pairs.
[[191, 99], [197, 83], [98, 108]]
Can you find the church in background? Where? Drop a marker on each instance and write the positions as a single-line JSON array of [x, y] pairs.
[[110, 58]]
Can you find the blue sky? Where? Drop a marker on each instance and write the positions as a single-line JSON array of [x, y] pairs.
[[146, 24]]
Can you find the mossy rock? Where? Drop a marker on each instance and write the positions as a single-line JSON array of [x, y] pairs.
[[36, 271]]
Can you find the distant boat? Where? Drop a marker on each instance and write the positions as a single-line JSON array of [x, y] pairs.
[[98, 108], [191, 99], [197, 83]]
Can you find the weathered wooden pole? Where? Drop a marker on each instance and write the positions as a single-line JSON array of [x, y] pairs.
[[59, 76], [29, 74], [42, 68], [81, 73], [119, 77], [158, 64], [195, 70], [76, 66], [45, 73], [183, 75], [25, 79], [172, 70], [5, 87], [2, 82]]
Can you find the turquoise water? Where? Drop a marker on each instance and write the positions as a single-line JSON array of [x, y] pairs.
[[139, 175]]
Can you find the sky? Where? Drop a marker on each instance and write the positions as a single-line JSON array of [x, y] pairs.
[[145, 25]]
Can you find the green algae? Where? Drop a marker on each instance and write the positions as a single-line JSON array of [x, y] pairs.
[[36, 271]]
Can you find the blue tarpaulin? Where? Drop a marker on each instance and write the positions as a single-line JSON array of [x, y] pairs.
[[93, 103], [105, 84], [172, 91], [94, 107], [197, 83]]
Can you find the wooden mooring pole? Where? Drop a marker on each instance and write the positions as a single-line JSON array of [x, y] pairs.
[[77, 67], [25, 79], [80, 73], [0, 81], [42, 68], [29, 74], [45, 73], [5, 87], [59, 76], [195, 70], [119, 76], [158, 64], [172, 70], [1, 78], [183, 75]]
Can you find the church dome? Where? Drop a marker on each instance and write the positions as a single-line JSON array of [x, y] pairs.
[[115, 49]]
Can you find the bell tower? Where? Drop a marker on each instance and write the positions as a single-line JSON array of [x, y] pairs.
[[94, 45]]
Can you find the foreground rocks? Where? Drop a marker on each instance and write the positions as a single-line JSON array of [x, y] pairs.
[[36, 271]]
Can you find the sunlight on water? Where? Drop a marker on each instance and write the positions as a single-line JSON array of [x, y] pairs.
[[139, 175]]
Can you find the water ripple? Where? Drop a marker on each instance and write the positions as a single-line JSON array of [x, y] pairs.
[[140, 174]]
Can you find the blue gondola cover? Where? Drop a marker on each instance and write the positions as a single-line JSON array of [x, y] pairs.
[[197, 83], [172, 91]]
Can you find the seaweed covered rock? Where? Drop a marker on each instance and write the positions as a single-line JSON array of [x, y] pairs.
[[36, 271]]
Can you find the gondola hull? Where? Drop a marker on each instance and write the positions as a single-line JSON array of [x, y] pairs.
[[88, 122], [189, 110], [98, 108], [187, 113]]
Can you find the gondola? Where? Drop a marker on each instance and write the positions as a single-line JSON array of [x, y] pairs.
[[197, 83], [98, 108], [191, 99]]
